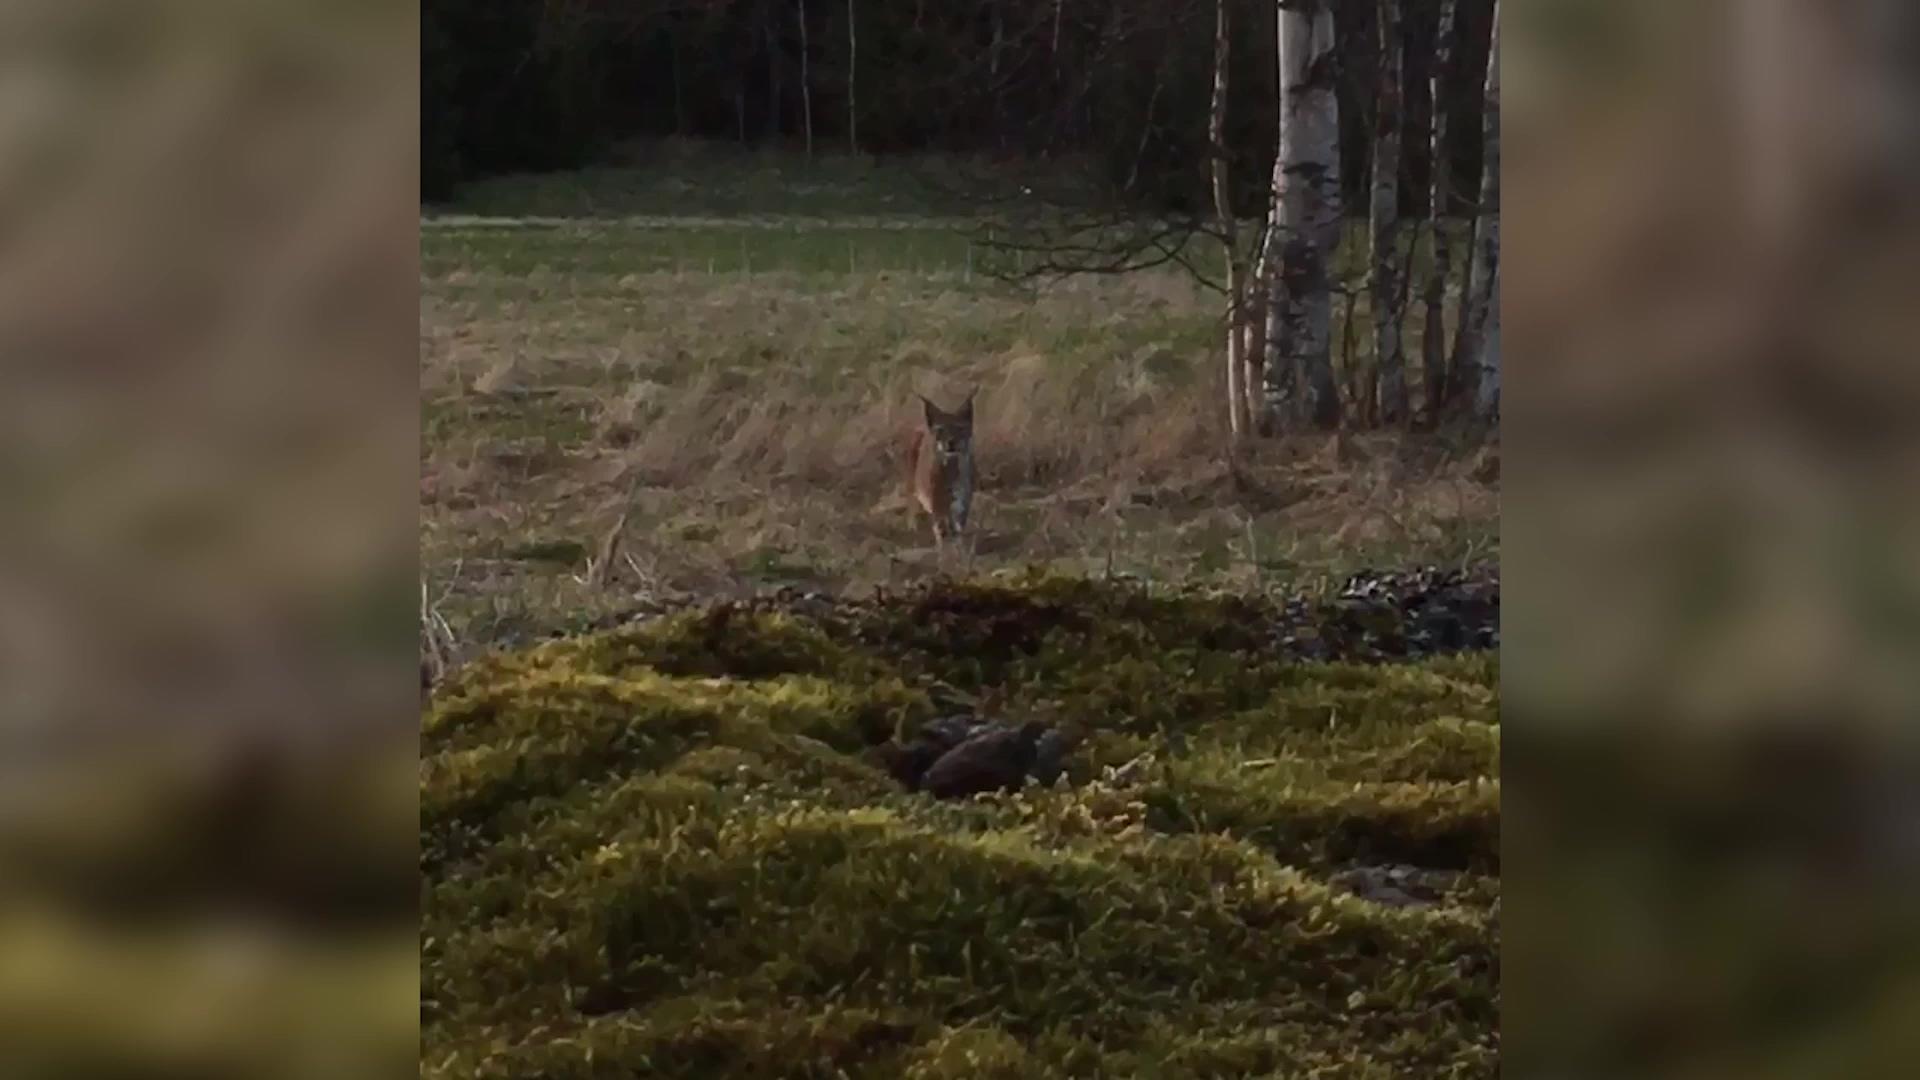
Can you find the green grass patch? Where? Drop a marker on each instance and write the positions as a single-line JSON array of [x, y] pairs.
[[664, 850], [618, 248], [687, 179]]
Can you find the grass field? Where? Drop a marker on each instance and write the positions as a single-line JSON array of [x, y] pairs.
[[666, 848], [736, 386]]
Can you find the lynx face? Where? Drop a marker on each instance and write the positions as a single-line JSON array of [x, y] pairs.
[[952, 432]]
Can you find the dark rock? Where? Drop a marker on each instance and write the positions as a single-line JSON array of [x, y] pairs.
[[1049, 755], [994, 760], [909, 763], [1395, 615], [1397, 885], [950, 731]]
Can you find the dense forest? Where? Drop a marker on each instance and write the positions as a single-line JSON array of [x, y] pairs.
[[1124, 85]]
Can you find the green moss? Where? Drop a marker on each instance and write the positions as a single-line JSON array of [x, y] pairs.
[[558, 552], [661, 851]]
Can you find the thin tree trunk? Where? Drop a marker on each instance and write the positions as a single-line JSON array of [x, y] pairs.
[[806, 82], [995, 104], [1486, 401], [1459, 355], [853, 67], [993, 48], [1277, 370], [1146, 129], [1053, 51], [1468, 234], [1433, 345], [1229, 229], [1356, 397], [1461, 360], [773, 79], [1457, 358], [1253, 352], [1485, 271], [1482, 334], [1253, 348], [1307, 183], [679, 95], [1388, 297]]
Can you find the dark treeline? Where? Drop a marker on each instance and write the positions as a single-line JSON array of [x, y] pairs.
[[534, 85]]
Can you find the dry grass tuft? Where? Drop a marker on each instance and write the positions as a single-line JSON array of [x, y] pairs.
[[759, 422]]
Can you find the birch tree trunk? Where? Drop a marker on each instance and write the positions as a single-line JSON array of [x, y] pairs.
[[1146, 129], [1229, 229], [1479, 323], [993, 51], [1460, 354], [1307, 221], [1433, 344], [1253, 328], [1349, 304], [1461, 360], [853, 67], [1486, 398], [1389, 354], [806, 82], [773, 80]]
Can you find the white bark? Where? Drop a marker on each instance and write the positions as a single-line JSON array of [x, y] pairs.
[[1479, 328], [1433, 346], [1389, 354], [1253, 328], [1466, 313], [1307, 221], [1229, 229]]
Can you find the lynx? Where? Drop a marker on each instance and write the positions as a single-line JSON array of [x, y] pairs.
[[940, 468]]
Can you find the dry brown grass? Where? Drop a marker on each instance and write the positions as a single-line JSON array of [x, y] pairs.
[[751, 430]]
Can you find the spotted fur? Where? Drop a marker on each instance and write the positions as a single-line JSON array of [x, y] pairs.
[[940, 469]]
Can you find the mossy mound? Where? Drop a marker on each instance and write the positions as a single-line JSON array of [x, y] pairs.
[[663, 850]]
